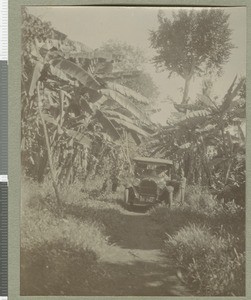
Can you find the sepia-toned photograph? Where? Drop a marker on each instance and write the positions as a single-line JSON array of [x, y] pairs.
[[133, 139]]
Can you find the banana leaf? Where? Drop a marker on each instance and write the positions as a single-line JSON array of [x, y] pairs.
[[127, 92], [207, 101], [231, 94], [93, 95], [241, 134], [79, 137], [60, 74], [35, 77], [85, 105], [129, 126], [107, 125], [126, 103], [135, 138], [184, 107], [76, 72], [198, 113], [194, 118], [119, 75], [117, 115]]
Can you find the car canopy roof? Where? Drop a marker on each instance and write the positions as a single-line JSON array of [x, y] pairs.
[[156, 161]]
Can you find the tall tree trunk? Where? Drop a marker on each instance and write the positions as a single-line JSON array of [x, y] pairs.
[[54, 184], [186, 90]]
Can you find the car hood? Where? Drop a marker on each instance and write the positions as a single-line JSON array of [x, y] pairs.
[[161, 182]]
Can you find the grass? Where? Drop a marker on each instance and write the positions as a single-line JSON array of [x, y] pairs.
[[57, 247], [61, 251], [209, 263], [206, 241]]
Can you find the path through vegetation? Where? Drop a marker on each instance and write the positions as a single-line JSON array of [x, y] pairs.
[[136, 266]]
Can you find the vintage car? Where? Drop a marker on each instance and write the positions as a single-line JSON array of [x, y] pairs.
[[151, 182]]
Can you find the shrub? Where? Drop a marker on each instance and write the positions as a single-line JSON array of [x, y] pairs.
[[199, 198], [210, 263], [206, 240]]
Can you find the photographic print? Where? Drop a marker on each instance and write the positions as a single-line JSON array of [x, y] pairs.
[[133, 138]]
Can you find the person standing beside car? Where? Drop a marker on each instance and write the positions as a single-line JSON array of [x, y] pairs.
[[183, 181], [166, 194]]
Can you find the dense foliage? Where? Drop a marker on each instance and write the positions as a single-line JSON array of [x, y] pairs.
[[75, 113], [209, 142]]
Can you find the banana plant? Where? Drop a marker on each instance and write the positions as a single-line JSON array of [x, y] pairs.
[[74, 97], [207, 124]]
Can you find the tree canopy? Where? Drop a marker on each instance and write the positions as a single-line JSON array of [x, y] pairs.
[[193, 42]]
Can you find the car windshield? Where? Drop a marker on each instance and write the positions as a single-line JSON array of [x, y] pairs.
[[142, 169]]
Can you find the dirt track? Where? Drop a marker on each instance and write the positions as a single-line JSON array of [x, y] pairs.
[[133, 266], [136, 266]]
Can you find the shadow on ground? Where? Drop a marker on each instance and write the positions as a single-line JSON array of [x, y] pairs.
[[128, 229], [139, 279], [134, 266]]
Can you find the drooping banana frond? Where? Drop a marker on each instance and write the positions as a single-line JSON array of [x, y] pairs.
[[127, 92], [207, 102], [119, 75], [86, 106], [76, 72], [129, 126], [241, 134], [60, 74], [117, 115], [107, 125], [135, 137], [198, 113], [194, 118], [35, 77], [231, 94], [126, 103], [185, 107]]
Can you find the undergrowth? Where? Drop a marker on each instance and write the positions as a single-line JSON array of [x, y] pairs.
[[206, 241], [58, 245]]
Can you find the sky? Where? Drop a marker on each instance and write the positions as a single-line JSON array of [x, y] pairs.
[[95, 25]]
